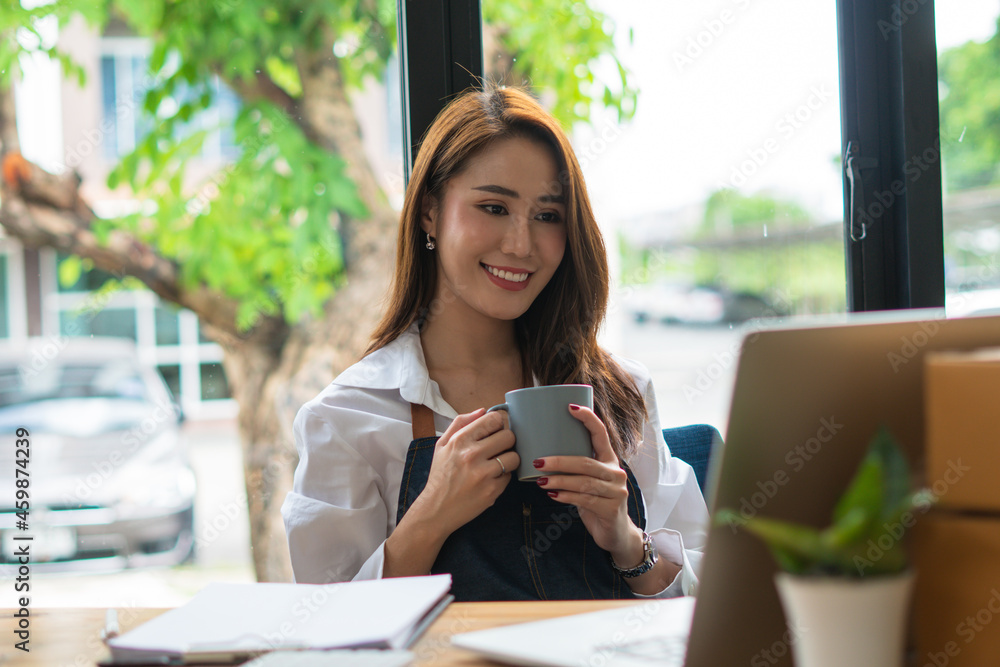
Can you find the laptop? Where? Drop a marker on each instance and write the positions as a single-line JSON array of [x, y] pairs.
[[807, 399]]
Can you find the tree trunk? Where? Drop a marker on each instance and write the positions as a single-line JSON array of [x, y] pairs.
[[274, 369], [317, 351]]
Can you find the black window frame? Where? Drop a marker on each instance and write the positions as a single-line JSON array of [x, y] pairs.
[[441, 47], [894, 237]]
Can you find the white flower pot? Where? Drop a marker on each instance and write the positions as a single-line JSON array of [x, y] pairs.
[[835, 622]]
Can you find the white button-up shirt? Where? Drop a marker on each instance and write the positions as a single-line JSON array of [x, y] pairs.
[[352, 441]]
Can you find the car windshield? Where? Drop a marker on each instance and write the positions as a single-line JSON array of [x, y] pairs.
[[110, 379]]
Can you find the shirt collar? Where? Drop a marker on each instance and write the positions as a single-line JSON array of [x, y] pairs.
[[399, 365]]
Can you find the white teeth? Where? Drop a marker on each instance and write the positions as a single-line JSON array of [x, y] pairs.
[[507, 275]]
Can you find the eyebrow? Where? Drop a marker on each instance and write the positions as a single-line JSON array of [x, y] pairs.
[[507, 192]]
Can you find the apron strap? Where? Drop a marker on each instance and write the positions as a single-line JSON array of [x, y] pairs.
[[423, 421]]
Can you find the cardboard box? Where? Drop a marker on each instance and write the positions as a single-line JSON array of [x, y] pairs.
[[962, 412], [956, 617]]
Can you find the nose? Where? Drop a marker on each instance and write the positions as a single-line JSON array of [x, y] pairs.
[[517, 239]]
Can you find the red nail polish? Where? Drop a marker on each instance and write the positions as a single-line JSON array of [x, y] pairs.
[[574, 407], [542, 481], [552, 494], [538, 463]]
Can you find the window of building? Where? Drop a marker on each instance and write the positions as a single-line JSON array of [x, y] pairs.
[[172, 376], [213, 382], [167, 325], [170, 337], [125, 78], [13, 298], [4, 303], [85, 321]]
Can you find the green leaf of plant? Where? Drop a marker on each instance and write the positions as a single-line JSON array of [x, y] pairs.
[[70, 269], [897, 472], [851, 527], [794, 540], [865, 489]]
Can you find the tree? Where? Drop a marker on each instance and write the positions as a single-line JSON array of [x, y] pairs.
[[283, 253], [970, 113]]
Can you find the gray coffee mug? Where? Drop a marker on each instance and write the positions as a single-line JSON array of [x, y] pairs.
[[543, 426]]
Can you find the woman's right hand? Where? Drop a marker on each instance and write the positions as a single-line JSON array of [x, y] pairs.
[[465, 477]]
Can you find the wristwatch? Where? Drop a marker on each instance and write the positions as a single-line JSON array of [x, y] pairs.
[[649, 558]]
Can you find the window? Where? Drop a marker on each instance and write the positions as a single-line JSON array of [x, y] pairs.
[[167, 325], [4, 292], [730, 211], [968, 46], [13, 298], [119, 322], [171, 337], [213, 382], [124, 81], [172, 376]]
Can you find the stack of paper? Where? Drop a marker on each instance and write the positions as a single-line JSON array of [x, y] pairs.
[[230, 622]]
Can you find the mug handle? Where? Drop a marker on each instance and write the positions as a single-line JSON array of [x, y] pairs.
[[502, 406]]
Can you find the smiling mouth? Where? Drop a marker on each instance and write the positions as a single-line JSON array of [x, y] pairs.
[[509, 276]]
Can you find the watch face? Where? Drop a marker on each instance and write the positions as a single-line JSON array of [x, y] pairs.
[[652, 548]]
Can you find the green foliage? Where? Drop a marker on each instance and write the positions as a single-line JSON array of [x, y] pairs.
[[21, 36], [729, 209], [70, 270], [263, 230], [970, 113], [809, 276], [863, 538], [730, 250], [557, 45]]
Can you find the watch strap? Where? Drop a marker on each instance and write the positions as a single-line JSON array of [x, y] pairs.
[[649, 558]]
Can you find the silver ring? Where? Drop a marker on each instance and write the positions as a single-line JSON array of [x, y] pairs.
[[503, 469]]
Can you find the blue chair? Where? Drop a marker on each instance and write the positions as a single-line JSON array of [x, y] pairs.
[[693, 444]]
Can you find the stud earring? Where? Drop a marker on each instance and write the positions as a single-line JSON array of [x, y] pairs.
[[430, 242]]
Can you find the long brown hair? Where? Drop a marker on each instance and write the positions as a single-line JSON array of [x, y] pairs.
[[558, 333]]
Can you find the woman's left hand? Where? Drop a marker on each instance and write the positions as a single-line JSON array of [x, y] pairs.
[[598, 487]]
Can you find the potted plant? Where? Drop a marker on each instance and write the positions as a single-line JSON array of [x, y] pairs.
[[845, 588]]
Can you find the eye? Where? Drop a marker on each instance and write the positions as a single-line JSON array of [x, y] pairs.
[[493, 209], [549, 216]]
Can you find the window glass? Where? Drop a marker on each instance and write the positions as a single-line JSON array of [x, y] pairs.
[[228, 104], [107, 322], [124, 80], [213, 382], [969, 90], [172, 376], [167, 326], [109, 86], [5, 300], [721, 199]]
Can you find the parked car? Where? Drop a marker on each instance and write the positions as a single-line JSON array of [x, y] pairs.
[[679, 303], [110, 485]]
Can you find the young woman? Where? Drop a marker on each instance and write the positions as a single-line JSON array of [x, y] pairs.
[[501, 282]]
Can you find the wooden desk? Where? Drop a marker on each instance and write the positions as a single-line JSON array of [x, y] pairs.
[[71, 637]]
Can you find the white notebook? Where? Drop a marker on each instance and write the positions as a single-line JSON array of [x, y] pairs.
[[334, 658], [228, 622]]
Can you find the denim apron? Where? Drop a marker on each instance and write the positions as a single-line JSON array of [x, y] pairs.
[[526, 546]]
